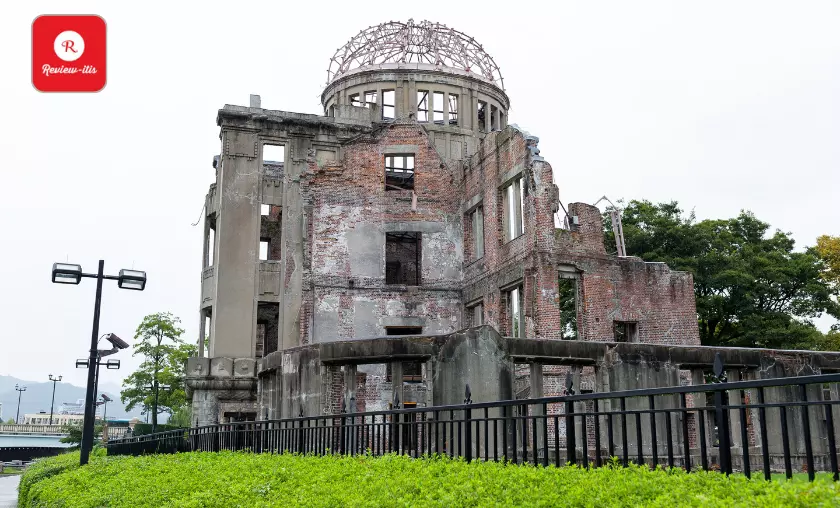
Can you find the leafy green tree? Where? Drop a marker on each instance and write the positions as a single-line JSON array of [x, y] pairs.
[[828, 248], [74, 433], [158, 384], [10, 421], [182, 417], [752, 289]]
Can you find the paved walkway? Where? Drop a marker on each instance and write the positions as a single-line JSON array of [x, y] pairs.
[[8, 491]]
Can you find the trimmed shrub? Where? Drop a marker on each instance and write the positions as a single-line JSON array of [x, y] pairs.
[[243, 479]]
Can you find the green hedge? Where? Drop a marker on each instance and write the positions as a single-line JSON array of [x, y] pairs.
[[243, 479], [142, 429]]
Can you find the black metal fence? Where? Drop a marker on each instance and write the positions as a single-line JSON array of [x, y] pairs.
[[773, 425]]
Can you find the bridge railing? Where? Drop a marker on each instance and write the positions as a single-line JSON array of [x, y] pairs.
[[766, 426], [54, 430]]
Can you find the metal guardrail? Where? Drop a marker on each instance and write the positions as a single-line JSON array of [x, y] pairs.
[[762, 425]]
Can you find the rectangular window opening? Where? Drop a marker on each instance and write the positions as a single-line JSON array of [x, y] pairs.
[[482, 113], [260, 346], [208, 321], [475, 315], [453, 109], [477, 221], [513, 220], [211, 241], [625, 331], [355, 100], [265, 209], [412, 373], [514, 311], [388, 103], [274, 154], [264, 249], [403, 330], [370, 98], [422, 105], [399, 172], [568, 301], [403, 258], [437, 104]]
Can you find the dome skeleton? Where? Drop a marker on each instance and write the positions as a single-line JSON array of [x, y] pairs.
[[396, 42]]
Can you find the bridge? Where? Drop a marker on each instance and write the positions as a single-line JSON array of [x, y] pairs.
[[27, 442]]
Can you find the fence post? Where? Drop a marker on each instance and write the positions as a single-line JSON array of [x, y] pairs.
[[300, 447], [468, 421], [724, 449], [343, 431], [571, 438]]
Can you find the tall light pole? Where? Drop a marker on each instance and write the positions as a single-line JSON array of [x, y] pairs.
[[20, 390], [65, 273], [52, 404]]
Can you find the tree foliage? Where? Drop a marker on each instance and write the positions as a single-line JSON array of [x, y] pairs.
[[828, 248], [74, 433], [158, 384], [752, 288]]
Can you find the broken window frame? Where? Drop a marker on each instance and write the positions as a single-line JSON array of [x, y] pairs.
[[412, 372], [477, 224], [402, 171], [438, 115], [513, 209], [625, 331], [493, 111], [453, 109], [422, 106], [389, 101], [355, 100], [259, 341], [396, 275]]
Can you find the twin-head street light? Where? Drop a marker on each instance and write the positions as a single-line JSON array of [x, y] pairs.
[[54, 381], [66, 273], [20, 390]]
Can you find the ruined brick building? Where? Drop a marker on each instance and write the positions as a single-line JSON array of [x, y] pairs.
[[410, 208]]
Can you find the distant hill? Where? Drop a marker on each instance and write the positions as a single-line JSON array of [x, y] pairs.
[[38, 395]]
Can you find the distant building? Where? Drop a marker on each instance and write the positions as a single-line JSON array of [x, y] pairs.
[[43, 418]]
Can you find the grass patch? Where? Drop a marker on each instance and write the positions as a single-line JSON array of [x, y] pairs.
[[234, 479], [9, 471]]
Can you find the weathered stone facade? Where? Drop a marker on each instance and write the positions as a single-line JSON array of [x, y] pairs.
[[410, 207]]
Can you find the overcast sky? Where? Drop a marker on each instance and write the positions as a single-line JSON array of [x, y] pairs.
[[721, 106]]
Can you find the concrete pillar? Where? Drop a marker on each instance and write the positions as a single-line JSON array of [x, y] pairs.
[[446, 114], [537, 392], [397, 382], [292, 251], [201, 332], [699, 379], [350, 372], [497, 118], [735, 398], [237, 239]]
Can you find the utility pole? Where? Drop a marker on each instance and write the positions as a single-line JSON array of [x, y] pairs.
[[52, 404], [20, 390]]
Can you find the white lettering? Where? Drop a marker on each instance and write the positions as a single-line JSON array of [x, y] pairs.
[[49, 70]]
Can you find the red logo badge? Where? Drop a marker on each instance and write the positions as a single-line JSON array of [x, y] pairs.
[[68, 53]]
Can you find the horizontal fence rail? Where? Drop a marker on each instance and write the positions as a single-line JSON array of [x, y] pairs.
[[773, 425]]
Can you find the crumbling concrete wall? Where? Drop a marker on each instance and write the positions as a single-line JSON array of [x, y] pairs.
[[351, 214]]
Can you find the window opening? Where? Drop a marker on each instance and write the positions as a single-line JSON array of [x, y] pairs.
[[211, 244], [475, 315], [625, 331], [260, 347], [567, 295], [403, 330], [412, 372], [355, 100], [493, 112], [422, 105], [453, 109], [482, 110], [263, 250], [265, 209], [402, 258], [514, 311], [513, 197], [399, 172], [370, 98], [274, 154], [437, 104], [388, 102]]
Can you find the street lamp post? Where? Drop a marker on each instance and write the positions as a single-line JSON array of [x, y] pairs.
[[52, 404], [20, 390], [65, 273]]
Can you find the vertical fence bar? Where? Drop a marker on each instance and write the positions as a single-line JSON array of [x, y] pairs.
[[468, 424], [597, 434], [669, 435], [832, 445], [724, 449], [545, 434], [806, 429], [571, 439], [640, 448], [654, 446], [686, 446], [505, 433], [556, 440], [523, 411], [535, 438], [785, 442], [745, 442]]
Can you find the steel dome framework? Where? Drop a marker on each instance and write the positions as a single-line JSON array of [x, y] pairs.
[[396, 42]]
